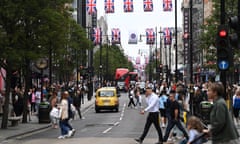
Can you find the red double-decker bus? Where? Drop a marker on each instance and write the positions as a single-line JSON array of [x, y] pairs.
[[122, 78]]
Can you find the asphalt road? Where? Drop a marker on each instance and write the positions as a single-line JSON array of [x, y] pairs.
[[98, 128]]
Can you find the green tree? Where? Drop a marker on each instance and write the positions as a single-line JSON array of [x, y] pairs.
[[209, 28], [116, 59], [30, 30]]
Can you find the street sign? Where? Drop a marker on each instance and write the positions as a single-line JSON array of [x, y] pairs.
[[223, 65]]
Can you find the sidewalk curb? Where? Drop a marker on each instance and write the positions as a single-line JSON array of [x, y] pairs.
[[28, 132]]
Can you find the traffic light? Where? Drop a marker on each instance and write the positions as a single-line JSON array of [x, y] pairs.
[[224, 50], [233, 38]]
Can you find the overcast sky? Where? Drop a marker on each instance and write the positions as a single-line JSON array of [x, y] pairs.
[[138, 21]]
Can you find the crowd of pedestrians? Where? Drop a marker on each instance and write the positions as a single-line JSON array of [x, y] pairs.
[[64, 104], [180, 108]]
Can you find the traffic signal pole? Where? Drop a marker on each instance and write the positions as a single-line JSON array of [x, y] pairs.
[[223, 72]]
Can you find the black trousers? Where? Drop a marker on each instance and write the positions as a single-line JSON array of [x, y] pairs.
[[131, 102], [171, 124], [153, 117]]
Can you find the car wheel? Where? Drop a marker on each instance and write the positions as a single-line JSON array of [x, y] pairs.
[[97, 110]]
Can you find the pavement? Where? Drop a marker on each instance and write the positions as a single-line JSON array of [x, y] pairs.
[[33, 125]]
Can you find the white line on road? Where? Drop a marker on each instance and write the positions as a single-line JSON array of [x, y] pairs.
[[107, 130], [116, 123]]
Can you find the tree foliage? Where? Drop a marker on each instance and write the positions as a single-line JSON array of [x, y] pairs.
[[115, 59], [35, 29], [208, 37]]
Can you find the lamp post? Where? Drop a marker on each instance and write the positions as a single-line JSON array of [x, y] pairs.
[[100, 65], [160, 55], [41, 64], [176, 46], [150, 63], [107, 59], [150, 58]]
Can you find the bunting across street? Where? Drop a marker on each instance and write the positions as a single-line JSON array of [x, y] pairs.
[[109, 6], [128, 5], [147, 5], [97, 36], [167, 5], [167, 36], [116, 36], [91, 7], [150, 36]]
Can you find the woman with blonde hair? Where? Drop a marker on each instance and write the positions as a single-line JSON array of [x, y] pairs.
[[195, 128], [63, 122]]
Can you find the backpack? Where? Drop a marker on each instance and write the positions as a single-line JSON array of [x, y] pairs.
[[236, 103]]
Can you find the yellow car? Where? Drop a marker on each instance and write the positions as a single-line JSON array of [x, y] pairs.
[[107, 98]]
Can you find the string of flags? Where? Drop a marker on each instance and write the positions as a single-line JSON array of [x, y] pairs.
[[91, 8], [116, 36], [128, 6]]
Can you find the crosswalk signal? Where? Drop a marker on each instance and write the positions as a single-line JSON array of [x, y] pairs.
[[223, 48]]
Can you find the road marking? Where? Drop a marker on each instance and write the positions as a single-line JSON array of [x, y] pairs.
[[116, 123], [123, 110], [107, 130]]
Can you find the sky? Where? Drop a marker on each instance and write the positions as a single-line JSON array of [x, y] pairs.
[[138, 21]]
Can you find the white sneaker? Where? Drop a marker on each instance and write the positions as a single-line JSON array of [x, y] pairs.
[[70, 133], [73, 132], [61, 137]]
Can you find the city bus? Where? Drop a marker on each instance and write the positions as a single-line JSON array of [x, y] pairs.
[[122, 79]]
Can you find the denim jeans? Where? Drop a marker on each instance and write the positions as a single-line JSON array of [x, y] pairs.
[[64, 127]]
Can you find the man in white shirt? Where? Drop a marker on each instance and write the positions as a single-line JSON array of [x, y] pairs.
[[153, 116]]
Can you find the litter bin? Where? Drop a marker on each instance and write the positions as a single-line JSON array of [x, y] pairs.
[[43, 112], [205, 109]]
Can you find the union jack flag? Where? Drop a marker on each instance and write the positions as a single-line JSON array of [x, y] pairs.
[[167, 5], [150, 36], [128, 5], [109, 6], [147, 5], [97, 36], [167, 36], [116, 36], [91, 7]]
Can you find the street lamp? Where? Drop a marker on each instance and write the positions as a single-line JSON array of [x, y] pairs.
[[150, 58], [41, 64], [100, 74], [160, 55], [107, 59]]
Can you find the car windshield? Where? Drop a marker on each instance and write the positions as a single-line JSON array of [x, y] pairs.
[[106, 93]]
